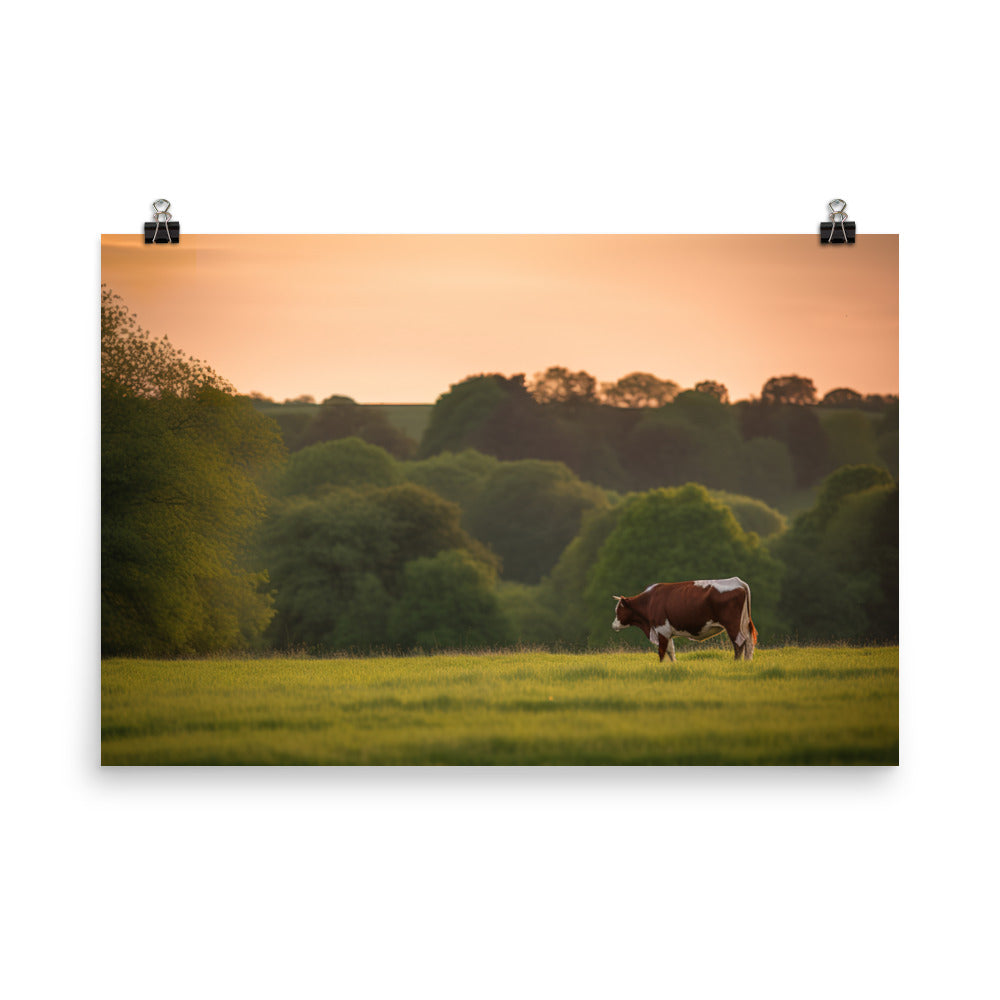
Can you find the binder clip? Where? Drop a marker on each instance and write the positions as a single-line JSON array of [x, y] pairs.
[[828, 232], [162, 230]]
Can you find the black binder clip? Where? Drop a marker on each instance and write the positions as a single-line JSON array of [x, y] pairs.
[[162, 230], [838, 217]]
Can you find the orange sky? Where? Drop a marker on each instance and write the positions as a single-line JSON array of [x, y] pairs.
[[400, 318]]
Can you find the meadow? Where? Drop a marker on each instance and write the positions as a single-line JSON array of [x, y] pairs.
[[791, 705]]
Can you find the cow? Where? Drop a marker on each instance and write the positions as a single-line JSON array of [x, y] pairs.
[[695, 609]]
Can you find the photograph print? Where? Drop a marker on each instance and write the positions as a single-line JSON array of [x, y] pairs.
[[499, 500]]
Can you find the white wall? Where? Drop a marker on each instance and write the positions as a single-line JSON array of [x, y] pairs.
[[514, 117]]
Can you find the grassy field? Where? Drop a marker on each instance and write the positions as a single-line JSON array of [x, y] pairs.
[[789, 706]]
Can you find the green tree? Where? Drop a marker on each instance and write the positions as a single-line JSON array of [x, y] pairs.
[[852, 438], [448, 601], [789, 389], [841, 397], [346, 462], [694, 439], [460, 412], [798, 427], [887, 437], [420, 523], [137, 365], [532, 617], [560, 385], [664, 452], [845, 481], [327, 558], [640, 389], [753, 514], [671, 535], [563, 590], [337, 560], [716, 389], [842, 561], [181, 459], [765, 470], [341, 417], [458, 477], [528, 512]]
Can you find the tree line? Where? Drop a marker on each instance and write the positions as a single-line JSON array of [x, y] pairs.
[[773, 448], [217, 535], [643, 389]]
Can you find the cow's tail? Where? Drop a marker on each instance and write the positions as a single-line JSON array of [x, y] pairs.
[[748, 631]]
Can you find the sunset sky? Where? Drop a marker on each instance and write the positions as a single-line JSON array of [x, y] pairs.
[[397, 319]]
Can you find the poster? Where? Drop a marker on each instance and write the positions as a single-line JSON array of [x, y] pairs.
[[376, 500]]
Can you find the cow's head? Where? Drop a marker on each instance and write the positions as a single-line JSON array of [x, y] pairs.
[[624, 615]]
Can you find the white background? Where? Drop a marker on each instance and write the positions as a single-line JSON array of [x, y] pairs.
[[483, 117]]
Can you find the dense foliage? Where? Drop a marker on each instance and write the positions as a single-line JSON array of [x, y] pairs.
[[842, 560], [530, 504], [677, 534], [772, 448], [181, 458], [340, 563], [304, 423]]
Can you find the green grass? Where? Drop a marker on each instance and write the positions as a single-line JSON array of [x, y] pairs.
[[789, 706]]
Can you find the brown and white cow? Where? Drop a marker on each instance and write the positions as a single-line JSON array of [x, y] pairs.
[[695, 609]]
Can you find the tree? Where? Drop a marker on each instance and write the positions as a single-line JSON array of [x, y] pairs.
[[841, 397], [563, 590], [638, 390], [798, 427], [877, 401], [694, 439], [851, 435], [716, 389], [670, 535], [448, 601], [842, 561], [340, 417], [703, 409], [181, 458], [766, 470], [528, 512], [347, 462], [532, 617], [337, 561], [461, 412], [136, 365], [840, 484], [560, 385], [661, 452], [326, 557], [499, 417], [458, 477], [419, 523], [789, 389], [753, 514], [887, 437]]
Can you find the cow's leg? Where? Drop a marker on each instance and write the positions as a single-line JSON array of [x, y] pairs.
[[743, 644], [737, 640], [667, 649]]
